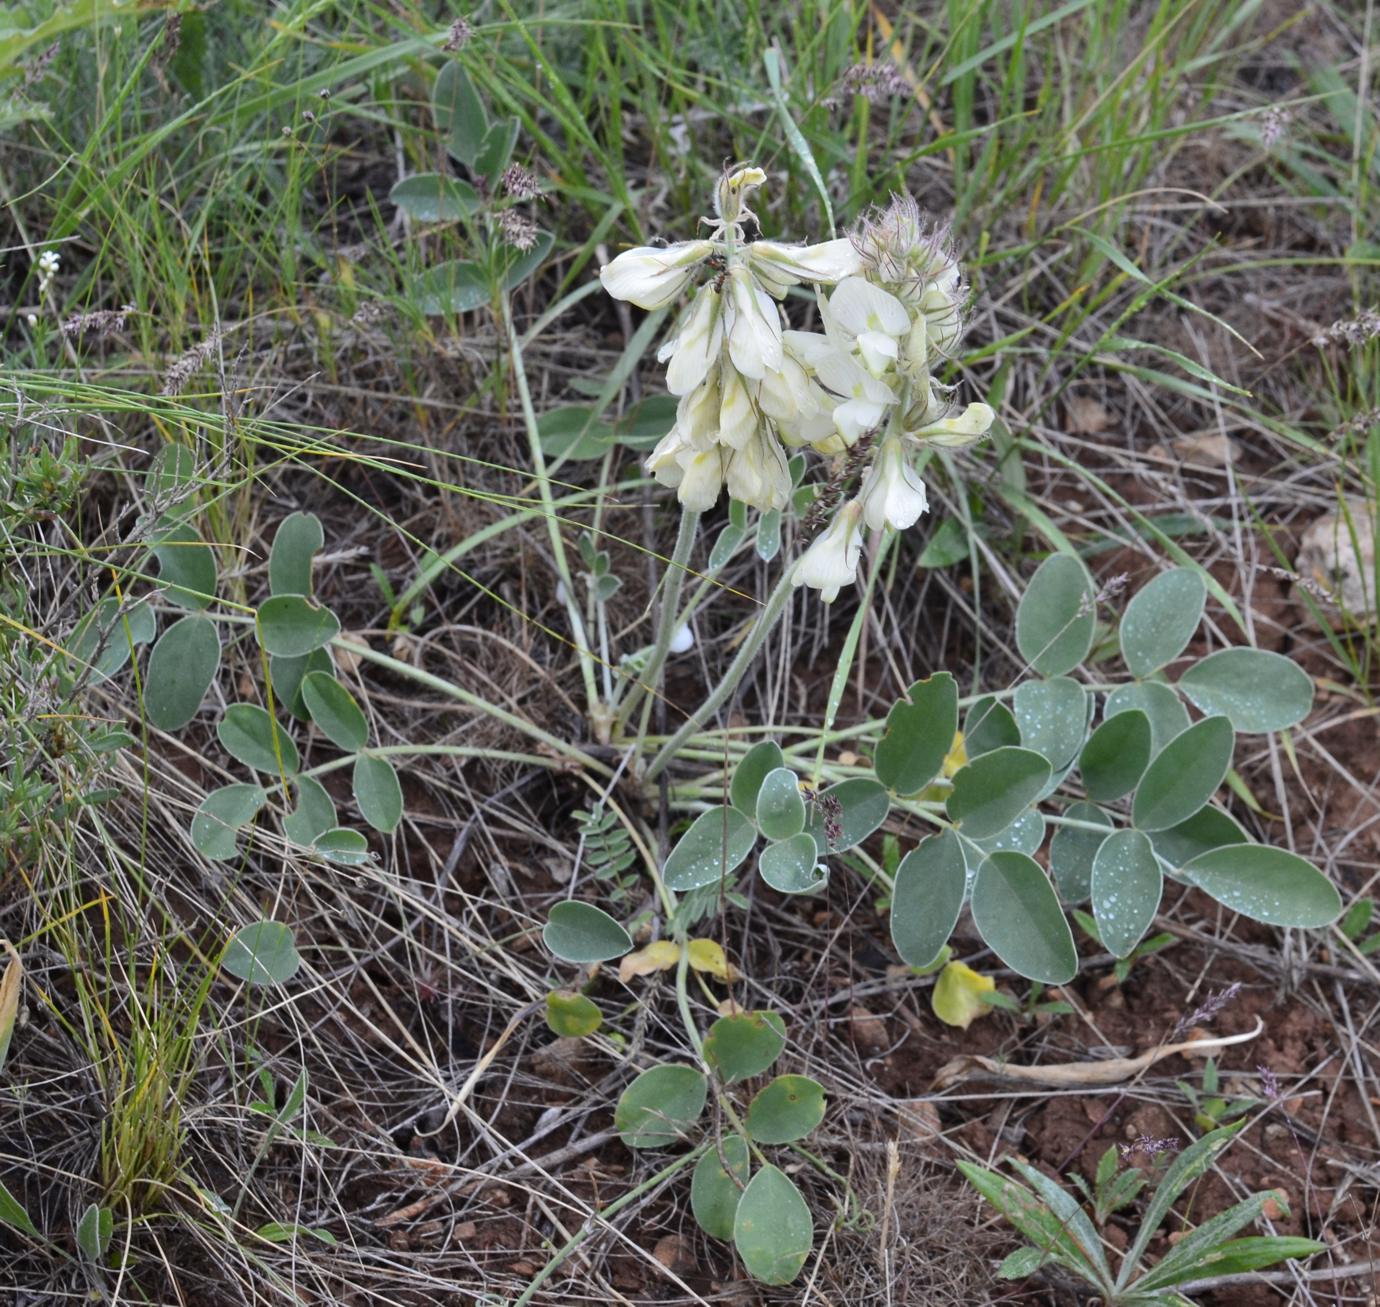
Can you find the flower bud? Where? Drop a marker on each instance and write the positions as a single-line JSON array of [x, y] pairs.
[[732, 192], [956, 432]]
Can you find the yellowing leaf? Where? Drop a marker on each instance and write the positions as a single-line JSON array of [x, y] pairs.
[[707, 956], [10, 985], [955, 999], [956, 758], [660, 956]]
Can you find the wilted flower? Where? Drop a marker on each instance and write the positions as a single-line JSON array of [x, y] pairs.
[[519, 183], [517, 229], [458, 37]]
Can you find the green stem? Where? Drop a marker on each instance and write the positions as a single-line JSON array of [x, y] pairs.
[[599, 1218], [650, 680], [572, 607], [766, 623], [850, 650]]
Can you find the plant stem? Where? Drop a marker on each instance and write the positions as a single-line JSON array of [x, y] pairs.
[[572, 607], [650, 680], [563, 748], [766, 623], [601, 1217]]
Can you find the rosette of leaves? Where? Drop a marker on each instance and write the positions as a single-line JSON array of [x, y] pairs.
[[483, 148], [1060, 1233], [1125, 775]]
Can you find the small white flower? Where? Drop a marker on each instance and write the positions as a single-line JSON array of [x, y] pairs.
[[831, 562], [31, 319], [779, 266], [865, 397], [858, 306], [758, 475], [892, 493], [664, 461], [702, 478], [788, 395], [738, 416], [682, 641], [754, 327], [48, 263], [695, 347], [651, 277], [697, 414]]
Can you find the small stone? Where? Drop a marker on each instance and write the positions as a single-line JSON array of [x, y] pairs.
[[1085, 416], [347, 660], [675, 1252], [867, 1028], [1203, 448], [1337, 558], [920, 1119]]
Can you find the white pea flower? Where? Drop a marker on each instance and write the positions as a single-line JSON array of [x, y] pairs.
[[697, 414], [695, 348], [664, 461], [779, 267], [754, 326], [871, 320], [789, 395], [738, 416], [892, 492], [702, 478], [652, 277], [831, 561], [865, 398], [758, 475]]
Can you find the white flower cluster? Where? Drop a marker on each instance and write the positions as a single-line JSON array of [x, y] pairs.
[[48, 263], [749, 389]]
